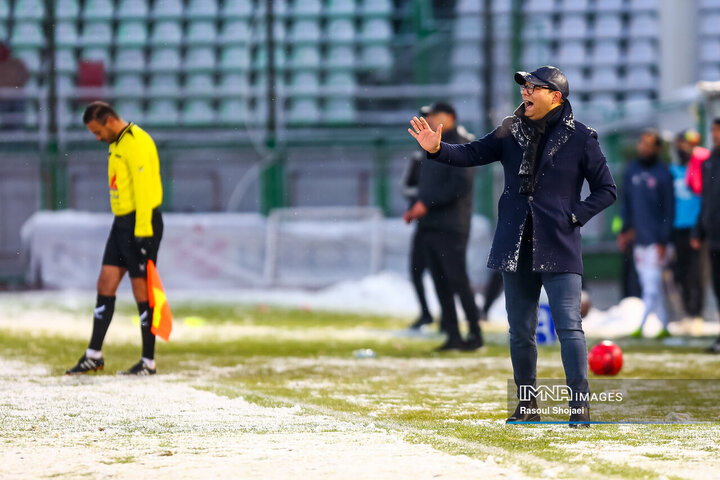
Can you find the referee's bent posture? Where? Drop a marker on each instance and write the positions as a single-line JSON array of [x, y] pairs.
[[135, 195]]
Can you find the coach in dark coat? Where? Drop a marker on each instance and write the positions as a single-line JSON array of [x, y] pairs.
[[546, 156]]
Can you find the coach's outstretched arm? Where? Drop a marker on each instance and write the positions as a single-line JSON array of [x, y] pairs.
[[480, 152]]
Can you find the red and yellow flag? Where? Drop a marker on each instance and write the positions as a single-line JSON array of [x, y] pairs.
[[162, 318]]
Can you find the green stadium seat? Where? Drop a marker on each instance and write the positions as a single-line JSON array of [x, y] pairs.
[[234, 32], [303, 111], [305, 31], [65, 61], [197, 83], [201, 33], [235, 59], [165, 60], [132, 33], [305, 57], [130, 110], [377, 7], [27, 34], [29, 10], [198, 112], [341, 82], [200, 59], [307, 8], [233, 9], [339, 111], [202, 9], [337, 8], [341, 56], [96, 34], [234, 84], [162, 112], [98, 10], [167, 9], [129, 83], [129, 60], [376, 57], [67, 9], [132, 9], [341, 30], [166, 33], [233, 111], [376, 30], [66, 34], [303, 83], [164, 84]]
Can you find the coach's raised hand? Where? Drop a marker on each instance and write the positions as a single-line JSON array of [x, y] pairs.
[[428, 139]]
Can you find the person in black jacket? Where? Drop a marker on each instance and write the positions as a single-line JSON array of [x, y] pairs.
[[708, 224], [443, 212], [546, 156]]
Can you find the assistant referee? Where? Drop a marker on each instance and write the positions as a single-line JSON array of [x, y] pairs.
[[135, 198]]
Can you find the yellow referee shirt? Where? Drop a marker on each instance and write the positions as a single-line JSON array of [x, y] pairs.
[[134, 177]]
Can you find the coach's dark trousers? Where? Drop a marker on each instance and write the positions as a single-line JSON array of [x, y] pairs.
[[522, 294]]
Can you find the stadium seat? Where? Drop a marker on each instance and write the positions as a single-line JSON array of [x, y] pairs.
[[572, 53], [606, 52], [257, 31], [65, 84], [65, 61], [643, 26], [342, 8], [96, 34], [201, 33], [162, 112], [608, 26], [710, 50], [202, 9], [98, 10], [237, 9], [304, 83], [643, 5], [305, 57], [5, 9], [64, 9], [467, 55], [305, 31], [167, 9], [279, 9], [196, 83], [166, 33], [576, 79], [98, 54], [128, 83], [164, 84], [27, 34], [311, 8], [709, 23], [200, 59], [233, 111], [130, 110], [638, 102], [642, 52], [573, 26], [340, 30], [132, 9], [568, 6], [639, 77], [234, 83], [132, 33], [235, 31], [539, 6], [261, 58], [538, 27], [29, 10], [31, 57], [339, 111], [709, 4], [609, 6], [501, 7], [465, 78], [468, 7], [165, 60], [235, 59], [605, 79], [66, 34], [604, 102], [710, 72], [377, 7], [341, 83], [376, 30], [468, 28], [539, 53], [376, 57], [303, 111], [340, 56], [129, 60]]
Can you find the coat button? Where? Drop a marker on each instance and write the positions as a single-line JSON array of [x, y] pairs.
[[530, 198]]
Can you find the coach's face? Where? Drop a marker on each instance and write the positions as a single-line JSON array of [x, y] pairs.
[[539, 100], [102, 132]]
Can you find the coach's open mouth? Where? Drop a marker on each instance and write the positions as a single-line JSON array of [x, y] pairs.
[[528, 106]]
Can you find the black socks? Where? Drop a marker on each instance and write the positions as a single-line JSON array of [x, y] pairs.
[[148, 338], [104, 309]]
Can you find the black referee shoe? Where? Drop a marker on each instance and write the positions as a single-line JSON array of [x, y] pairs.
[[86, 365], [139, 369]]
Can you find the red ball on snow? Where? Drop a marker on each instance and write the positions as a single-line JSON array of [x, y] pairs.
[[605, 358]]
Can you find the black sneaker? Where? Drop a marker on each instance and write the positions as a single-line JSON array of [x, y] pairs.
[[86, 365], [526, 411], [139, 369], [451, 344], [473, 342], [422, 320], [580, 420]]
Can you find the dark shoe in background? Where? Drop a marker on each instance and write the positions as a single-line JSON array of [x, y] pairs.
[[526, 411]]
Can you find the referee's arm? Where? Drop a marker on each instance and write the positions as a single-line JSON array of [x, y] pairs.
[[141, 172]]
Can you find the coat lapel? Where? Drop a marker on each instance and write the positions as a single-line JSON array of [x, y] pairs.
[[558, 137]]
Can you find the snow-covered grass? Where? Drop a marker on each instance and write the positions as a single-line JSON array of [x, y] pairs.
[[257, 391]]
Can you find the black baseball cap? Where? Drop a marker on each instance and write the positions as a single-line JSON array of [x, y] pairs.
[[438, 107], [548, 76]]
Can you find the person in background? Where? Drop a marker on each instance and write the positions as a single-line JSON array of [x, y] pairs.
[[13, 77], [647, 206], [708, 224], [687, 271], [443, 212]]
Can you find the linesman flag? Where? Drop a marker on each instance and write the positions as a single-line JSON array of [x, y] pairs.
[[162, 318]]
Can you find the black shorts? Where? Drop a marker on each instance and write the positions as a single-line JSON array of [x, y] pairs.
[[121, 249]]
